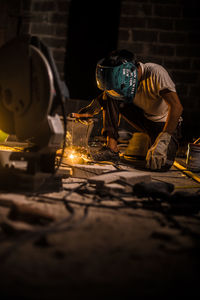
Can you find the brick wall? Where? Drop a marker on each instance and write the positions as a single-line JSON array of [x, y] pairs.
[[9, 13], [2, 22], [49, 20], [167, 32]]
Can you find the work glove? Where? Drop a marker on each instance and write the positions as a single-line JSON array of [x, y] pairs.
[[157, 154]]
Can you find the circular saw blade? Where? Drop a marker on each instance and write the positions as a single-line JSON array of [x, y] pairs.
[[41, 96], [26, 89], [13, 80]]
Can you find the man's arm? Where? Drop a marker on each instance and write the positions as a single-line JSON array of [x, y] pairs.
[[157, 154], [90, 110], [94, 107], [75, 115], [175, 110]]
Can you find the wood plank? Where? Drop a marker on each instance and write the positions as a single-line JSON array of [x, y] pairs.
[[88, 171], [124, 176]]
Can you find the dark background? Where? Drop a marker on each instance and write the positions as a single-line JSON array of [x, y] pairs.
[[93, 32]]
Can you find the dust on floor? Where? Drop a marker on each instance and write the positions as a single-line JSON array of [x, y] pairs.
[[91, 241]]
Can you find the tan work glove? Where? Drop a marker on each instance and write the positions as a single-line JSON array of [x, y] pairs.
[[157, 154]]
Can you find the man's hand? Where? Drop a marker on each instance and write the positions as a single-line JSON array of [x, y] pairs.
[[157, 154], [85, 119], [79, 116]]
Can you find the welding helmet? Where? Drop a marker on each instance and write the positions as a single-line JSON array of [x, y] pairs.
[[122, 79]]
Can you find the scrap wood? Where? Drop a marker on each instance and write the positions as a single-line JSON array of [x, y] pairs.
[[30, 214], [8, 200], [114, 188], [37, 212], [87, 171], [16, 227], [129, 177]]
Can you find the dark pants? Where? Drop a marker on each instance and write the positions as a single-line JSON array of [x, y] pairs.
[[112, 110]]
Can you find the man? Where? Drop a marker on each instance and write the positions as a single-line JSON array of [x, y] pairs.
[[145, 96]]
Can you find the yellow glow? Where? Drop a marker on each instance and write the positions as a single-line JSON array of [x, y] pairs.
[[7, 148], [75, 155], [71, 156], [113, 93]]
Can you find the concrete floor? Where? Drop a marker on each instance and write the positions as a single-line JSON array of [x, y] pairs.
[[100, 245]]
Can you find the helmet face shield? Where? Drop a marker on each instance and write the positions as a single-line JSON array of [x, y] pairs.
[[122, 79], [104, 77]]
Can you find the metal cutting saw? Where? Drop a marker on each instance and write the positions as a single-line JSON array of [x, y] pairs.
[[29, 88]]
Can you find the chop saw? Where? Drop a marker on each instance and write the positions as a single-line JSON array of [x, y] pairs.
[[29, 84]]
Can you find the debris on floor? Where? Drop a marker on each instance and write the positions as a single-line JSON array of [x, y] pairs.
[[111, 230]]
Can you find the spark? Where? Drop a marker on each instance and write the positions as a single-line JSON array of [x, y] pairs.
[[76, 155], [71, 156]]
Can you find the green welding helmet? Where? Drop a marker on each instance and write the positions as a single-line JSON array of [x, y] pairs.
[[122, 79]]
